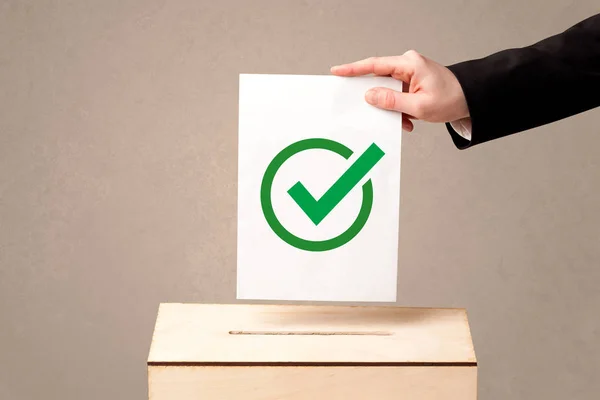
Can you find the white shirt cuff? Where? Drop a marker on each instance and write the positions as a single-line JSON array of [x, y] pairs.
[[462, 127]]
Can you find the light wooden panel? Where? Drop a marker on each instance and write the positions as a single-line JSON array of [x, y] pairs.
[[238, 333], [312, 383]]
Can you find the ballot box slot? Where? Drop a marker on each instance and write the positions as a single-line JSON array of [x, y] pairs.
[[311, 333]]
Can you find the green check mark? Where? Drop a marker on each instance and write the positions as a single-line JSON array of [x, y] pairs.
[[317, 210]]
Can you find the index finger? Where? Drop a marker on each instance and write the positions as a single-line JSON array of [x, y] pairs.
[[398, 67]]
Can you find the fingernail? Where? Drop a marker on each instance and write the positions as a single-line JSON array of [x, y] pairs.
[[371, 96]]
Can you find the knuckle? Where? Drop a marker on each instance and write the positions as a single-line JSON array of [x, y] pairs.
[[389, 100], [415, 56], [411, 53]]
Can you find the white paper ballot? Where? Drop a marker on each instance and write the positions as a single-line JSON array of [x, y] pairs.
[[319, 189]]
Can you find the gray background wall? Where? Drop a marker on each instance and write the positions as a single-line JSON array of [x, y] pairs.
[[118, 146]]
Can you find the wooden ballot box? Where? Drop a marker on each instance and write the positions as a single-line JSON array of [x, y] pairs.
[[310, 352]]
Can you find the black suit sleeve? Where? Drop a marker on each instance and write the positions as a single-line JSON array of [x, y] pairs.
[[518, 89]]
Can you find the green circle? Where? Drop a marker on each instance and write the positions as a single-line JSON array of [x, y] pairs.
[[267, 205]]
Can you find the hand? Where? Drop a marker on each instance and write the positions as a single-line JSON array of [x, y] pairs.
[[434, 94]]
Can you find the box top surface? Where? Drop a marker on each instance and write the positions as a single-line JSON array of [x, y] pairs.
[[308, 334]]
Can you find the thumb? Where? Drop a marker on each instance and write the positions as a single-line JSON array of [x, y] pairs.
[[393, 100]]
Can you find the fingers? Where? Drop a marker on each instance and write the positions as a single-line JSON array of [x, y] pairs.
[[407, 124], [398, 67], [388, 99]]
